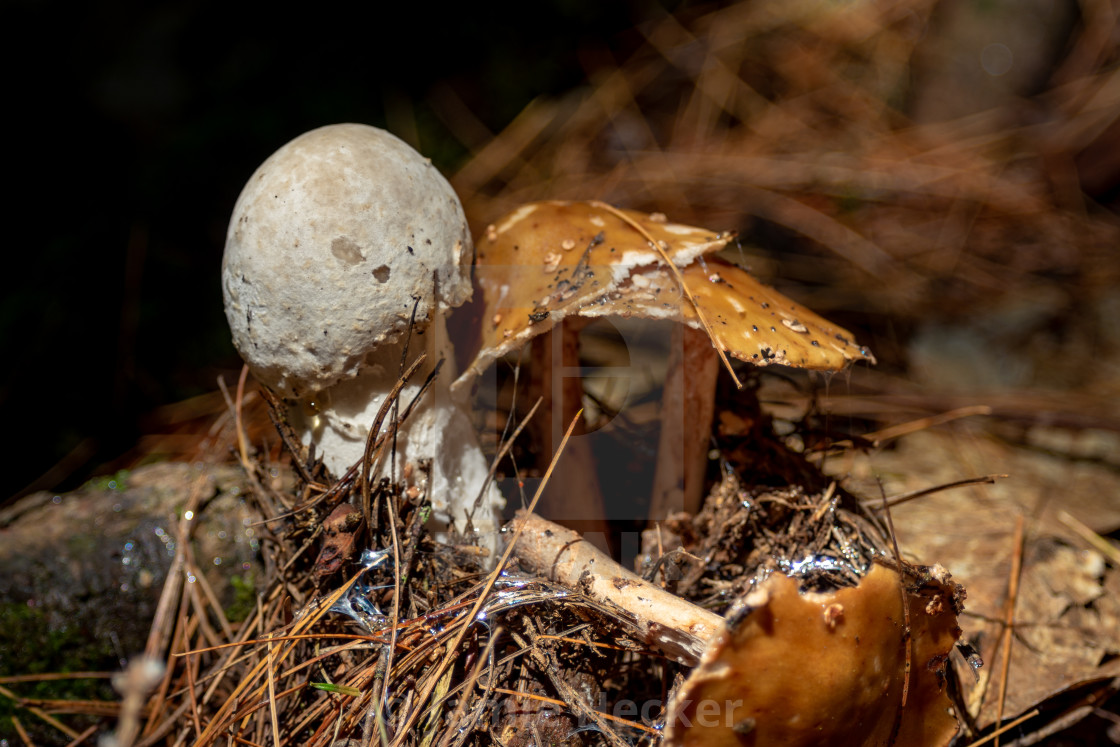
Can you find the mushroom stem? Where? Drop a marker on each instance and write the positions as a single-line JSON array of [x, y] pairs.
[[676, 627], [438, 432], [573, 496], [687, 408]]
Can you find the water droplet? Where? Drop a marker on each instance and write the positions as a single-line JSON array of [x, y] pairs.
[[997, 59]]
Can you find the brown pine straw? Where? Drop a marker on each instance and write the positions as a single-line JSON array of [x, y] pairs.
[[242, 440], [512, 542], [1009, 615], [907, 636], [923, 492], [717, 343], [58, 706], [896, 431], [40, 706], [243, 690], [22, 732], [1094, 540], [272, 697], [554, 701], [372, 441], [1005, 728], [80, 738]]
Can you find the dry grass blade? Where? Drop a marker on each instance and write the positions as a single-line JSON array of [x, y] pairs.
[[110, 708], [720, 347], [906, 634], [995, 735], [915, 494], [38, 712], [23, 735], [244, 688], [1009, 615], [83, 737], [1097, 542], [554, 701], [53, 676], [192, 696], [504, 450], [272, 697], [913, 426], [242, 440]]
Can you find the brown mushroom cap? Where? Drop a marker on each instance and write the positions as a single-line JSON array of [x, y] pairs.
[[808, 669], [546, 260]]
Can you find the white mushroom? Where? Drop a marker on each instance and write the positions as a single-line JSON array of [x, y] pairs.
[[334, 242]]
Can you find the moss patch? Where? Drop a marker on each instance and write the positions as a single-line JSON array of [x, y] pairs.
[[30, 645]]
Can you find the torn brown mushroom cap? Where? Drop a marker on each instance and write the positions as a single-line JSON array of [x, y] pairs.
[[750, 321], [808, 669], [547, 260]]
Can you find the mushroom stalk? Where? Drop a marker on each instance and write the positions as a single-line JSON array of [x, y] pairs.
[[438, 440], [572, 496], [687, 408]]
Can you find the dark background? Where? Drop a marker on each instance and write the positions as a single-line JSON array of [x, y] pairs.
[[132, 129]]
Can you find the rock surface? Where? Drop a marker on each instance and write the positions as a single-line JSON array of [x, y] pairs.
[[93, 561]]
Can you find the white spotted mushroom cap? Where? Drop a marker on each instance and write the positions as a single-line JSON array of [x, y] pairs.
[[332, 242]]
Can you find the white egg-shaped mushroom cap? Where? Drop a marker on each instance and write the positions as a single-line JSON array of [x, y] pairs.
[[333, 241]]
